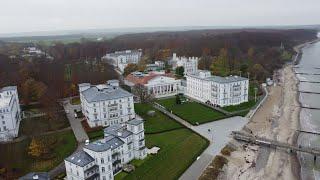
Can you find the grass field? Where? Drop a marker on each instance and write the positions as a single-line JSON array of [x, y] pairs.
[[178, 149], [243, 106], [192, 112], [157, 123], [14, 156], [39, 125]]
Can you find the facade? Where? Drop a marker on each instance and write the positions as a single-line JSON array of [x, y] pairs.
[[121, 59], [158, 84], [36, 176], [221, 91], [157, 66], [10, 113], [106, 104], [190, 64], [103, 159]]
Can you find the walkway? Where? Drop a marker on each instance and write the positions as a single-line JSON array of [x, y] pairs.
[[75, 123], [218, 137]]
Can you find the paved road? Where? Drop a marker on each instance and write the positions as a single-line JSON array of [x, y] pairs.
[[75, 123], [216, 132]]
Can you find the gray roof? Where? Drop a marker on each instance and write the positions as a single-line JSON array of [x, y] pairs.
[[80, 158], [8, 88], [84, 84], [118, 131], [33, 175], [94, 94], [219, 79], [105, 144], [135, 122]]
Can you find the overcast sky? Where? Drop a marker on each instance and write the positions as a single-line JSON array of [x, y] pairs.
[[51, 15]]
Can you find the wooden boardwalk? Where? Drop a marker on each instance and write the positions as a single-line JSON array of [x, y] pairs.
[[241, 136]]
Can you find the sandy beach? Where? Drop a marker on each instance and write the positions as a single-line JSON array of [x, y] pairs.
[[277, 118]]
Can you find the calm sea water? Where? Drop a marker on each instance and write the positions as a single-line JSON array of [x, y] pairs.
[[309, 68]]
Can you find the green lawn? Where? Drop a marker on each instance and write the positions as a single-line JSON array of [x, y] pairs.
[[75, 101], [39, 125], [192, 112], [157, 123], [14, 157], [243, 106], [179, 148]]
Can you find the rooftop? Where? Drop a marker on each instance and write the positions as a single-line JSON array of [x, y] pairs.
[[219, 79], [104, 92], [135, 122], [105, 144], [117, 130], [141, 78], [80, 158]]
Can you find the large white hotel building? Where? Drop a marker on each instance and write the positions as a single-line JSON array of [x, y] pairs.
[[9, 113], [102, 159], [189, 64], [121, 59], [221, 91], [106, 104]]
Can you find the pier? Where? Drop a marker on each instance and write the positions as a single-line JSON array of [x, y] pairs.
[[249, 138]]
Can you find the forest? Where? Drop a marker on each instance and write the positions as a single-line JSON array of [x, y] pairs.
[[257, 52]]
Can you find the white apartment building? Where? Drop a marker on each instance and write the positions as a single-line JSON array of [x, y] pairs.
[[9, 113], [103, 159], [222, 91], [158, 84], [190, 64], [121, 59], [106, 104]]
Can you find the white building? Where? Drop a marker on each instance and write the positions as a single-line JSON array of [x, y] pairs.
[[158, 84], [121, 59], [222, 91], [106, 104], [103, 159], [9, 113], [190, 64]]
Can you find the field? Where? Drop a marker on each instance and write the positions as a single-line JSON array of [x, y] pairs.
[[192, 112], [179, 147], [17, 162], [241, 107], [157, 123]]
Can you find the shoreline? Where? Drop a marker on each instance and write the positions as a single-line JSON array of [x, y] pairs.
[[243, 161]]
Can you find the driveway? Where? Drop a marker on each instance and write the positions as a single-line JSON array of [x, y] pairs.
[[75, 123], [218, 137]]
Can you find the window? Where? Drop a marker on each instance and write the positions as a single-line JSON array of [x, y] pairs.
[[102, 160], [104, 178], [4, 128], [103, 169]]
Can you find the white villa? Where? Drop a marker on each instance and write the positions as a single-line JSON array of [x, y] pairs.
[[106, 104], [9, 113], [103, 159], [221, 91], [121, 59], [190, 64], [159, 84]]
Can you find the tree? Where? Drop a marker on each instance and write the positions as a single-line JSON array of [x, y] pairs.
[[180, 71], [258, 72], [142, 93], [178, 100], [130, 68], [220, 66], [35, 148]]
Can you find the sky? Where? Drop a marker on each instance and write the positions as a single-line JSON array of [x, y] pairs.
[[52, 15]]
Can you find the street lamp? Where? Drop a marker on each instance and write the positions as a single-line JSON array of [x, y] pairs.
[[210, 131]]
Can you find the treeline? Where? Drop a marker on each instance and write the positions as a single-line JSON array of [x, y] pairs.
[[258, 52]]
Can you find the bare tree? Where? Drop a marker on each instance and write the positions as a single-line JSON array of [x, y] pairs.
[[142, 93]]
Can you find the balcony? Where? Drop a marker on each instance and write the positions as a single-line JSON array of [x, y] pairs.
[[141, 148], [93, 177], [118, 161], [113, 105], [92, 172]]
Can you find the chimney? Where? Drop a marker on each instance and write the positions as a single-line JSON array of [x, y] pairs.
[[119, 134]]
